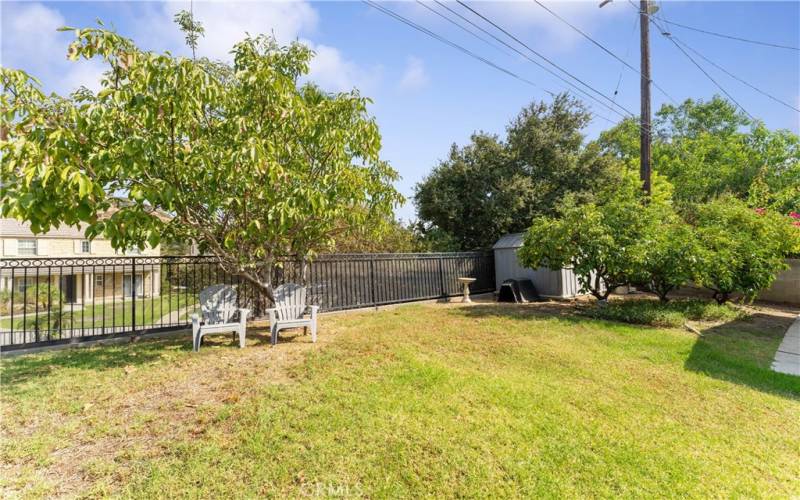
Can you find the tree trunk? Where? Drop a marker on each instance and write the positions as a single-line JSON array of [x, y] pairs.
[[661, 290], [721, 297], [304, 271]]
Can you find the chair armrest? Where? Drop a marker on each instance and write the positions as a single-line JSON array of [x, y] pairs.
[[243, 313], [314, 310], [271, 313], [195, 322]]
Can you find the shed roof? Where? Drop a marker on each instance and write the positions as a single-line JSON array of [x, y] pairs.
[[513, 240]]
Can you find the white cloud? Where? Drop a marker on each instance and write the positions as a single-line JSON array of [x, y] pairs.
[[30, 41], [332, 72], [228, 23], [539, 27], [414, 76]]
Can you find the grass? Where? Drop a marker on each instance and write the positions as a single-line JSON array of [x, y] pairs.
[[112, 313], [422, 400], [674, 313]]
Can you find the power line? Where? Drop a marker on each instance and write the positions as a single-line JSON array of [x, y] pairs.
[[627, 51], [487, 42], [709, 61], [537, 63], [600, 45], [451, 44], [441, 39], [731, 37], [667, 35], [543, 57]]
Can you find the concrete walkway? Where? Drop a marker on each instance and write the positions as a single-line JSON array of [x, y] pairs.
[[787, 359]]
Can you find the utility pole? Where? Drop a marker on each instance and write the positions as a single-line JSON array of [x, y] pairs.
[[644, 141], [644, 119]]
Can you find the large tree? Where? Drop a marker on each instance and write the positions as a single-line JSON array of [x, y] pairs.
[[710, 148], [492, 186], [248, 162]]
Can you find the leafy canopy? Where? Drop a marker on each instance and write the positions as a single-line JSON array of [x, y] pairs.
[[740, 249], [707, 149], [491, 187], [239, 157], [603, 241]]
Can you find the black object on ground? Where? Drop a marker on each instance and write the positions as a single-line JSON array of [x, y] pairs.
[[518, 290]]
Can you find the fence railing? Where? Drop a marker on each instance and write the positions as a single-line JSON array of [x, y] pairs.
[[61, 300]]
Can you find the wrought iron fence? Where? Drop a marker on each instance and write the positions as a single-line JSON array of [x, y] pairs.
[[50, 301]]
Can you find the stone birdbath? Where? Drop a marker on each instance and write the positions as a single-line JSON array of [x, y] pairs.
[[465, 283]]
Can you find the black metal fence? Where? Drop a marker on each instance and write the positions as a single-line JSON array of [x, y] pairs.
[[50, 301]]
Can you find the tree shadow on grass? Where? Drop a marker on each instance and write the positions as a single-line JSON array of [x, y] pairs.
[[19, 369], [566, 311], [739, 351], [742, 351]]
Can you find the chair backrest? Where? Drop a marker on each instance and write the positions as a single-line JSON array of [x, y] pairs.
[[218, 303], [290, 301]]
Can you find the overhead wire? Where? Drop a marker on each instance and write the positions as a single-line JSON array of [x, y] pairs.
[[454, 45], [527, 57], [487, 42], [603, 47], [757, 89], [442, 39], [545, 58], [666, 34], [731, 37], [627, 51]]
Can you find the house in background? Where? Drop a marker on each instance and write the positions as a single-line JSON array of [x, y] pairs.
[[78, 283]]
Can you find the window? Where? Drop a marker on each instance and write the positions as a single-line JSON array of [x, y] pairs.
[[133, 251], [99, 280], [26, 247], [23, 284], [86, 246], [131, 286]]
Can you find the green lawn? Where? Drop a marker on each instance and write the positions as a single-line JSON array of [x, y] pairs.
[[98, 314], [421, 400]]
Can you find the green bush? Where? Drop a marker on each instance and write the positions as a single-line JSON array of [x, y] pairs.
[[669, 253], [741, 249], [665, 314], [606, 242]]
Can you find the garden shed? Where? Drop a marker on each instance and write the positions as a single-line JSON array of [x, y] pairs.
[[560, 284]]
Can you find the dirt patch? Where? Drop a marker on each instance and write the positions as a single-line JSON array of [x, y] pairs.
[[138, 409]]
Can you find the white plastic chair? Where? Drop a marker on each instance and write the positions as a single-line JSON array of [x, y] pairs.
[[290, 311], [218, 306]]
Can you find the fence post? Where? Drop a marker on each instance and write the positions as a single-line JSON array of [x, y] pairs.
[[441, 276], [372, 280], [133, 294]]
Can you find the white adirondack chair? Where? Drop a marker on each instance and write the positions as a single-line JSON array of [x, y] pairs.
[[290, 311], [218, 306]]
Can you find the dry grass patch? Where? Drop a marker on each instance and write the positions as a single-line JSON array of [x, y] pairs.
[[79, 421], [423, 400]]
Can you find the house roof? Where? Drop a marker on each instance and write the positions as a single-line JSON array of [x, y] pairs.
[[12, 228], [513, 240]]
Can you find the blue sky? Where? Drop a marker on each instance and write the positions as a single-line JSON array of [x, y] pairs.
[[428, 95]]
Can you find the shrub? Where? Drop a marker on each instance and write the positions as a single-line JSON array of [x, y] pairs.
[[672, 314], [669, 254], [741, 250], [605, 242]]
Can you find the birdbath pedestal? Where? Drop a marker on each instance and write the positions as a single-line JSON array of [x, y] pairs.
[[465, 283]]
